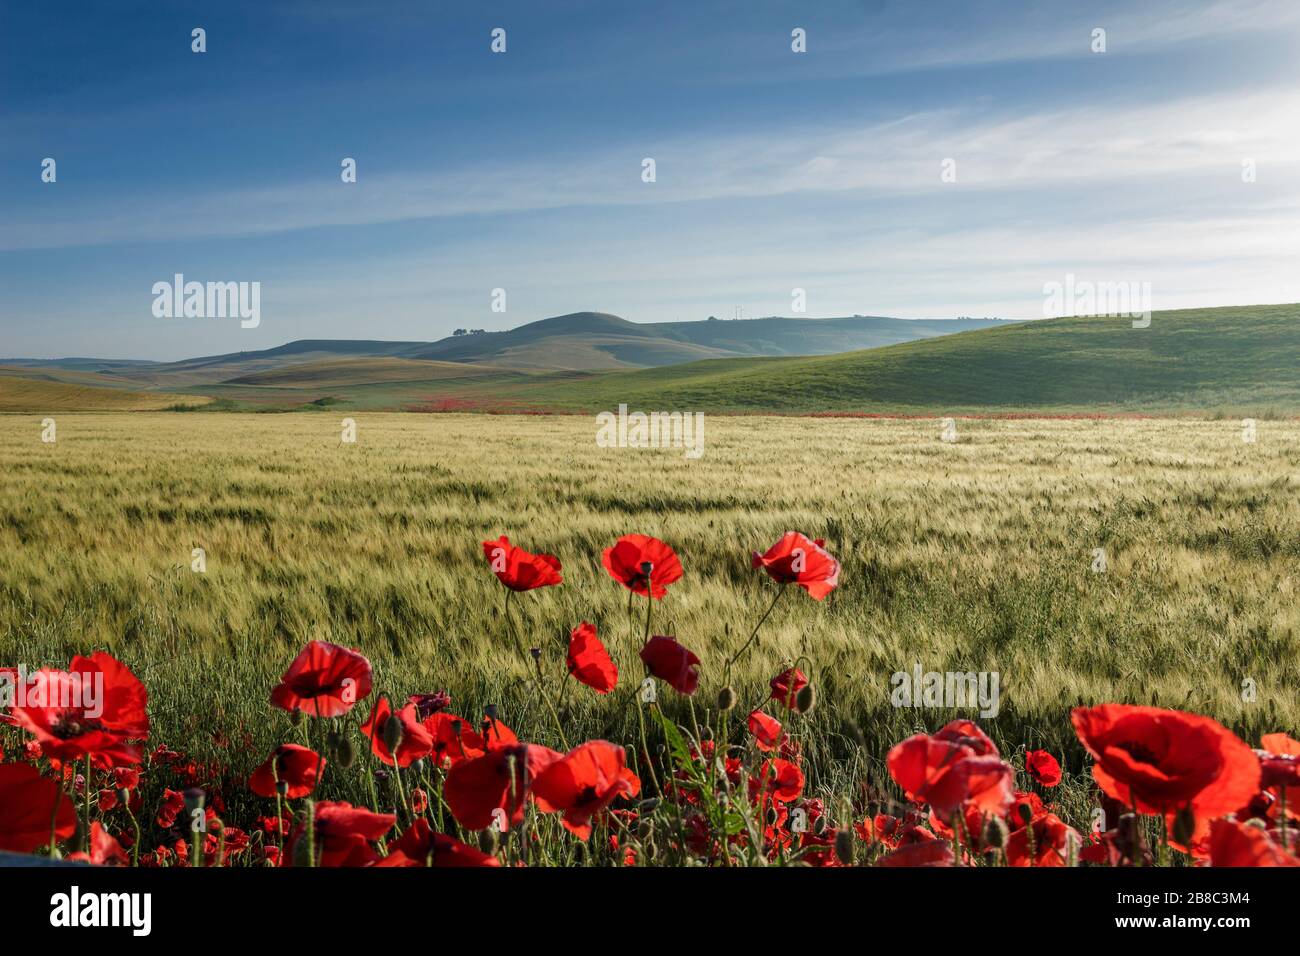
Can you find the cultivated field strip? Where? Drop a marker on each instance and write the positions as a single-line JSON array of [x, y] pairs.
[[968, 556]]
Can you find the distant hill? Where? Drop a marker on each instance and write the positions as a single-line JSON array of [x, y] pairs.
[[580, 341], [597, 340], [1244, 359], [47, 395], [1199, 359]]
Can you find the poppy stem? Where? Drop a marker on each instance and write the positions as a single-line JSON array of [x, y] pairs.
[[54, 823], [87, 802], [735, 657], [649, 606], [549, 705], [645, 747], [1286, 848]]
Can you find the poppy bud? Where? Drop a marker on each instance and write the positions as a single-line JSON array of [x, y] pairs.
[[1025, 813], [844, 847], [392, 734], [124, 795], [806, 699], [706, 733], [341, 749], [295, 717], [1256, 822], [995, 832], [649, 849], [726, 699], [282, 787], [1184, 825], [819, 826], [417, 766], [648, 805], [487, 841], [772, 816], [644, 829]]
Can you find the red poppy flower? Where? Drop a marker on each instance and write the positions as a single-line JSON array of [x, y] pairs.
[[589, 662], [453, 740], [1163, 760], [104, 850], [173, 803], [429, 704], [495, 733], [1239, 844], [1050, 836], [781, 779], [421, 846], [798, 560], [627, 563], [95, 707], [786, 685], [925, 853], [949, 775], [519, 570], [1043, 767], [27, 805], [1024, 801], [968, 734], [416, 740], [295, 765], [672, 663], [766, 730], [1279, 762], [584, 782], [499, 780], [324, 680], [344, 834]]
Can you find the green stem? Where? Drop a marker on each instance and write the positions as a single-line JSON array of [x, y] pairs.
[[549, 705], [735, 657]]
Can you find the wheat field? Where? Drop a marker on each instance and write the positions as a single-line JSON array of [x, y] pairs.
[[975, 555]]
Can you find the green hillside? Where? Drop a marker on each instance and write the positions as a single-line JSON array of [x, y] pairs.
[[1228, 360], [1198, 359]]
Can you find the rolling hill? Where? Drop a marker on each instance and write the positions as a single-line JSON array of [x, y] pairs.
[[1205, 360], [597, 340], [581, 341], [1202, 359], [46, 395]]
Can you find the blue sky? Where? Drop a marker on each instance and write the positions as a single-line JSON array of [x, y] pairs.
[[522, 170]]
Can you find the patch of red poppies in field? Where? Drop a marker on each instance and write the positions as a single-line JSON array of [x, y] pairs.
[[79, 779]]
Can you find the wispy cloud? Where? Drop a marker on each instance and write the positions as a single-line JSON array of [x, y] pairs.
[[1208, 136]]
